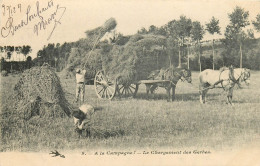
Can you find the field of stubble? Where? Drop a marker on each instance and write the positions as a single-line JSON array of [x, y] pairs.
[[148, 123]]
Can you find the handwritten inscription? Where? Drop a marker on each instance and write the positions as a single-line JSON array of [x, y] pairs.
[[38, 16], [45, 22], [11, 9]]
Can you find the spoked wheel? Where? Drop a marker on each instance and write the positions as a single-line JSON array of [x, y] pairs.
[[127, 90], [105, 88]]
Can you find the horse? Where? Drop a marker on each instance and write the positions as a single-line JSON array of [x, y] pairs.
[[169, 78], [226, 78]]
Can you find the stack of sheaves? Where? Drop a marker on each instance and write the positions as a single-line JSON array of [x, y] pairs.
[[136, 59], [39, 92]]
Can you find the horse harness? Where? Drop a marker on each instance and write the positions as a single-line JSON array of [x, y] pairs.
[[172, 74], [245, 77], [163, 75], [231, 79]]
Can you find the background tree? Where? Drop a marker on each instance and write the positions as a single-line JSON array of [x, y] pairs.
[[18, 51], [213, 28], [57, 55], [171, 39], [9, 50], [142, 31], [2, 51], [256, 23], [181, 30], [162, 30], [234, 31], [197, 33], [2, 63], [28, 62], [152, 29], [26, 50]]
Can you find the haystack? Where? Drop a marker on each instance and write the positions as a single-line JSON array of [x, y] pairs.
[[39, 92], [137, 58]]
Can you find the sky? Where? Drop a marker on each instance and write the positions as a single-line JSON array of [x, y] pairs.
[[77, 16]]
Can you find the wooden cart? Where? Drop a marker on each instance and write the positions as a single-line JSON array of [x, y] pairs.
[[108, 88]]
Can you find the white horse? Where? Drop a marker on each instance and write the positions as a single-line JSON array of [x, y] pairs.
[[226, 79]]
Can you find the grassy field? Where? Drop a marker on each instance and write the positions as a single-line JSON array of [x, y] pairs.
[[151, 123]]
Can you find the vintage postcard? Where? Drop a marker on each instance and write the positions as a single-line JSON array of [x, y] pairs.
[[130, 82]]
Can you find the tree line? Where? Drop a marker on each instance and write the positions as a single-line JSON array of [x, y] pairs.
[[10, 63], [237, 47], [185, 43], [8, 51]]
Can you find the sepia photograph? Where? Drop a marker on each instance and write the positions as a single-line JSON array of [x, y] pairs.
[[128, 82]]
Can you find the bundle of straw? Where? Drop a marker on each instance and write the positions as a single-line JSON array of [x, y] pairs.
[[39, 92], [109, 25]]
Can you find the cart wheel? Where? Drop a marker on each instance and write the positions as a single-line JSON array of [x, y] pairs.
[[127, 90], [105, 88]]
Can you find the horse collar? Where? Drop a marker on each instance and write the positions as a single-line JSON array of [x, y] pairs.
[[180, 75], [221, 81], [231, 78]]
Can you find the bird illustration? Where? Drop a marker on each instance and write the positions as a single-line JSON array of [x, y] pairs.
[[56, 153]]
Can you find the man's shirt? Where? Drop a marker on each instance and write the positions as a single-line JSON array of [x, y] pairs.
[[80, 77]]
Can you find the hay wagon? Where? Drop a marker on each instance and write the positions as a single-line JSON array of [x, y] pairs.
[[124, 66], [128, 66], [107, 88]]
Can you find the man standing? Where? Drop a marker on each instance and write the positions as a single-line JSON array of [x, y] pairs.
[[82, 118], [80, 87]]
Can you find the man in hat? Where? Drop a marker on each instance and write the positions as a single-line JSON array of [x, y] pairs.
[[82, 118], [80, 87]]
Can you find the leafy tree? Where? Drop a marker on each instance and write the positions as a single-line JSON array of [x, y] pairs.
[[162, 31], [40, 53], [57, 45], [65, 52], [28, 62], [197, 33], [213, 27], [250, 33], [239, 18], [9, 50], [234, 31], [9, 55], [18, 50], [56, 55], [2, 63], [257, 23], [181, 30], [25, 50], [1, 49], [171, 39], [152, 29], [142, 31], [170, 28], [29, 59]]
